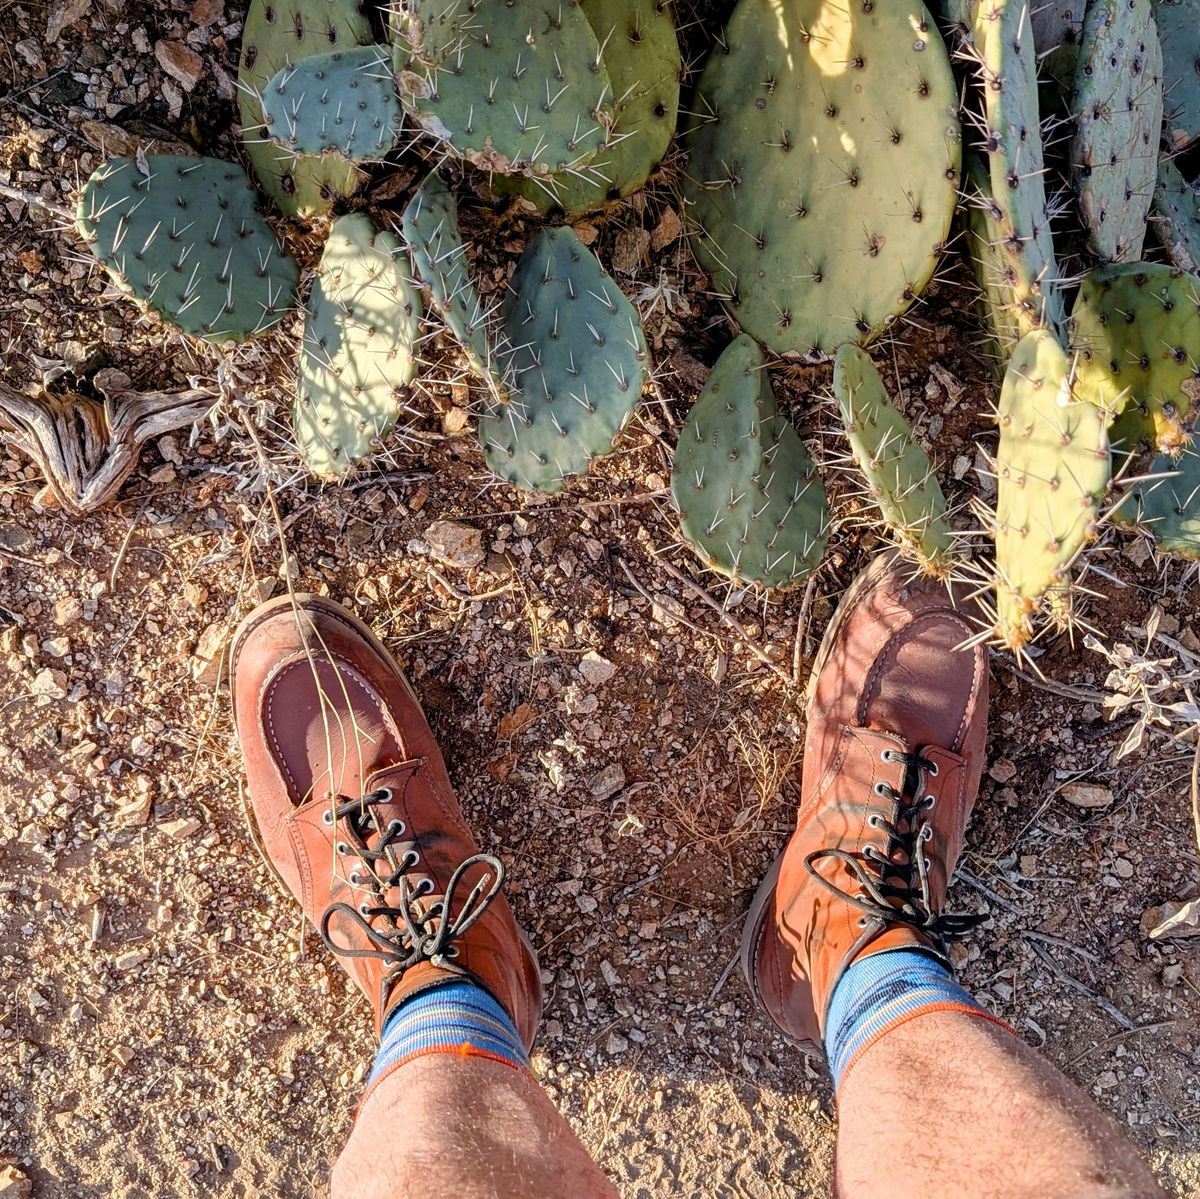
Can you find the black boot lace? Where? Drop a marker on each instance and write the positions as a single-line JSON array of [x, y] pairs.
[[408, 932], [894, 883]]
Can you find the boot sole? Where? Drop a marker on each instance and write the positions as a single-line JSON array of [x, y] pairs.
[[293, 602]]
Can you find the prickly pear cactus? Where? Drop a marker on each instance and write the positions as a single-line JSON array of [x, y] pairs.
[[1118, 104], [1004, 317], [1175, 216], [579, 362], [1052, 467], [360, 334], [750, 501], [824, 167], [187, 240], [513, 87], [899, 475], [641, 54], [996, 36], [343, 103], [1167, 503], [277, 33], [1178, 21], [430, 224], [1135, 331]]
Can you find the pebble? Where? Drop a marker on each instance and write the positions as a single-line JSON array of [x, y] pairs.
[[48, 685], [131, 959], [608, 781], [56, 647], [595, 669], [630, 250], [1172, 974], [14, 1184], [180, 62], [1087, 795], [455, 544], [67, 611], [1002, 770], [209, 654], [182, 828]]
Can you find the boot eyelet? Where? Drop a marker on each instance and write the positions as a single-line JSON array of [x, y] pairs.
[[452, 952], [327, 818], [383, 794], [396, 828], [930, 802], [933, 769], [927, 833], [873, 820], [424, 887], [342, 848], [364, 909], [410, 859], [863, 921], [881, 788], [885, 755], [354, 879]]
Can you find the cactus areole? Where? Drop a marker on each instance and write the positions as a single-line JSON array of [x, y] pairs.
[[824, 167]]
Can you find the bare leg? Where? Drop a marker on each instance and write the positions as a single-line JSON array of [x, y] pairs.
[[465, 1126], [952, 1106]]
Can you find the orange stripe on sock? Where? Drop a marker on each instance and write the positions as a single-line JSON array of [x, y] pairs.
[[463, 1049]]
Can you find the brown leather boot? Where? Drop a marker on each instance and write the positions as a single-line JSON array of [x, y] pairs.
[[350, 804], [897, 717]]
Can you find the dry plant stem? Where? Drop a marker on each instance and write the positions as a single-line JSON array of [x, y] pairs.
[[740, 634], [35, 201], [87, 450], [1071, 981]]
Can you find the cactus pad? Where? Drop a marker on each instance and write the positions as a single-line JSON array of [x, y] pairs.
[[343, 103], [824, 167], [187, 240], [360, 334], [277, 33], [1118, 105], [579, 361], [1178, 21], [515, 87], [435, 241], [750, 501], [1168, 503], [1176, 217], [1135, 329], [1053, 470], [999, 39], [900, 478], [641, 54]]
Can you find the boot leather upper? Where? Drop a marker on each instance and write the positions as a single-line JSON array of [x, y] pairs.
[[893, 682], [325, 716]]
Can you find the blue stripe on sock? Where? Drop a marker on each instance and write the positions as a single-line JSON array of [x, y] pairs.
[[445, 1019], [877, 991]]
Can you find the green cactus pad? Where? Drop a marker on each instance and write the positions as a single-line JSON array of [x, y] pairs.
[[512, 87], [641, 54], [1005, 318], [824, 167], [360, 334], [579, 362], [750, 501], [1168, 503], [188, 241], [1178, 21], [900, 477], [1176, 217], [997, 37], [1118, 104], [1053, 470], [1135, 330], [343, 103], [277, 33], [430, 224]]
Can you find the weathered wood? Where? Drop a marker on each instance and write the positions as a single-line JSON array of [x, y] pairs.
[[86, 449]]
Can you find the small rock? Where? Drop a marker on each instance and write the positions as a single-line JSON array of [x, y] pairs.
[[264, 588], [667, 230], [455, 421], [130, 959], [1123, 868], [56, 647], [14, 1184], [207, 12], [196, 594], [630, 250], [209, 655], [607, 782], [168, 447], [616, 1043], [49, 684], [1172, 974], [1087, 795], [1002, 770], [182, 828], [596, 670], [15, 538], [165, 474], [180, 62], [64, 16], [455, 544], [123, 1054], [67, 611]]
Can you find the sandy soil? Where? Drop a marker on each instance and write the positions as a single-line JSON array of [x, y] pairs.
[[168, 1027]]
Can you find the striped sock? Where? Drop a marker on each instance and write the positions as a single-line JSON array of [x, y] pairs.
[[882, 991], [458, 1018]]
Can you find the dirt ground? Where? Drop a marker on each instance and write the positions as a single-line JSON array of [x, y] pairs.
[[168, 1027]]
